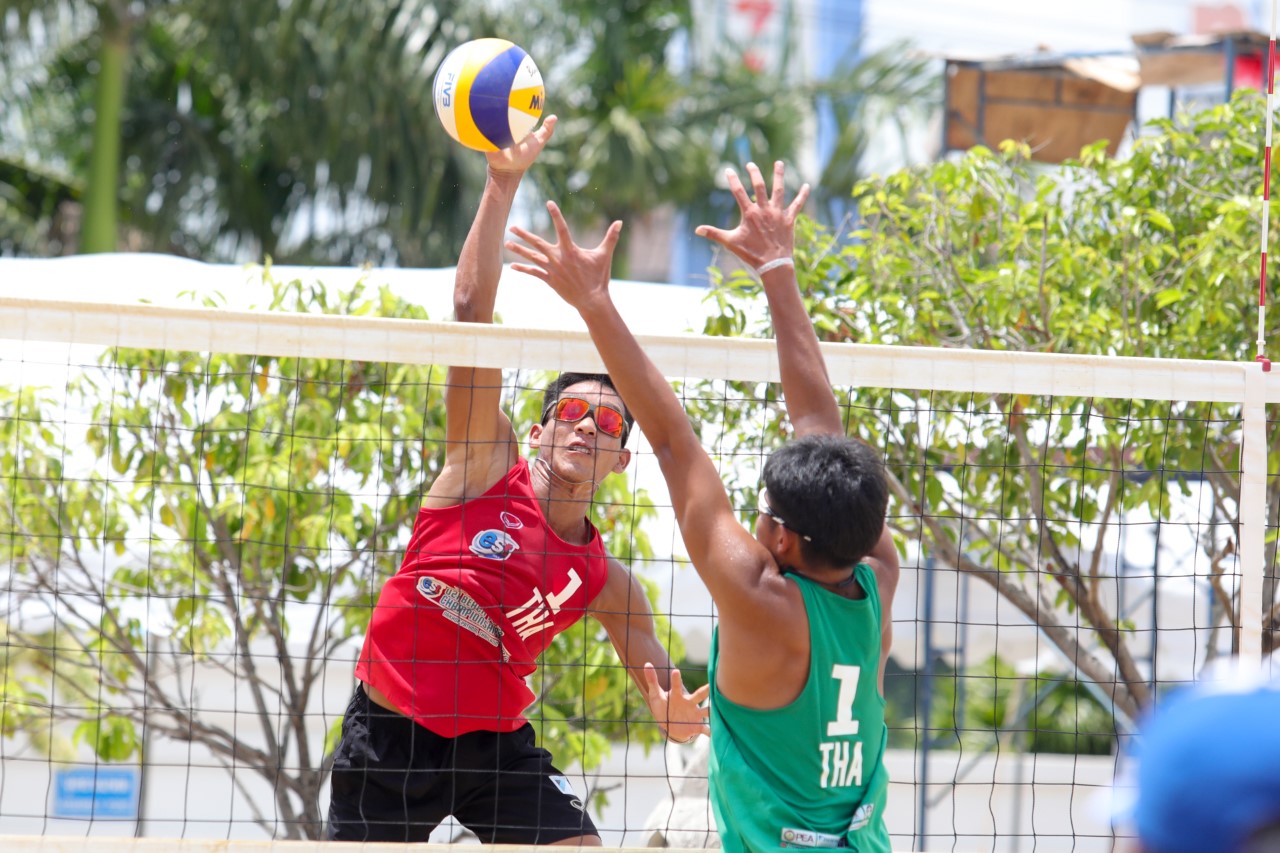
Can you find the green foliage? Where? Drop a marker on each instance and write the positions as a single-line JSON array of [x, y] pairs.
[[1151, 255], [888, 88], [239, 121], [647, 120], [112, 738], [1044, 713], [323, 147], [31, 207], [241, 513]]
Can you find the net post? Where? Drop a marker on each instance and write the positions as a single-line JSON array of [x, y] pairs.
[[1253, 514]]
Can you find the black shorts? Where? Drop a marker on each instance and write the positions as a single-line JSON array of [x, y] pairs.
[[395, 780]]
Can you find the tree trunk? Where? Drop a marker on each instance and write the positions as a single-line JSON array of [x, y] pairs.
[[102, 188]]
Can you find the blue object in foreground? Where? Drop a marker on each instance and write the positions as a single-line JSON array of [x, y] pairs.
[[1209, 770]]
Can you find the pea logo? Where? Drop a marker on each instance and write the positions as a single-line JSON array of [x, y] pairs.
[[494, 545]]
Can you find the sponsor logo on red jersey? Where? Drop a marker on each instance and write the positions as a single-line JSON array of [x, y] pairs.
[[462, 610], [494, 545]]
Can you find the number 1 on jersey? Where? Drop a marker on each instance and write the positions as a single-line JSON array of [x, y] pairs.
[[844, 723]]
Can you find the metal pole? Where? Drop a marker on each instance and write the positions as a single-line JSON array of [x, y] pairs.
[[1253, 517], [926, 710], [144, 757], [1155, 599]]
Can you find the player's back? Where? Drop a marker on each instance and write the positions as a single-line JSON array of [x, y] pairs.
[[809, 774]]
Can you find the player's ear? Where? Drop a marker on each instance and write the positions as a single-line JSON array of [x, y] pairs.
[[788, 543], [624, 459], [535, 436]]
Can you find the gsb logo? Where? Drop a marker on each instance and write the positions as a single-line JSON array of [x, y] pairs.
[[494, 545]]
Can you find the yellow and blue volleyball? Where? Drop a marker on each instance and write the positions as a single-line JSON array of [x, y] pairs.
[[488, 94]]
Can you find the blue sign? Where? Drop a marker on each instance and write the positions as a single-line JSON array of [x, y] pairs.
[[96, 792]]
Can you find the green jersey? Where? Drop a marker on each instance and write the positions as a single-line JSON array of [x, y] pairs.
[[810, 774]]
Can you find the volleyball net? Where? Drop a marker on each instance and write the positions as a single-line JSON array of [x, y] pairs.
[[198, 508]]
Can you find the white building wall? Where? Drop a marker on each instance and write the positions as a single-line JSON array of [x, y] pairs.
[[996, 27]]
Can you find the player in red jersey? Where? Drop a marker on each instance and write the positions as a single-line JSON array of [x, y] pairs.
[[502, 559]]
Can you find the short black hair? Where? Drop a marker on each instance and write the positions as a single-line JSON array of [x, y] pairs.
[[553, 391], [832, 489]]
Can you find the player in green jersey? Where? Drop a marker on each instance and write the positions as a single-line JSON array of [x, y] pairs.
[[797, 667]]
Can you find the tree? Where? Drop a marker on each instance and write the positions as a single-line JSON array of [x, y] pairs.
[[991, 703], [1150, 255], [34, 209], [246, 511], [216, 136], [637, 131], [303, 131], [886, 89], [647, 122], [35, 197]]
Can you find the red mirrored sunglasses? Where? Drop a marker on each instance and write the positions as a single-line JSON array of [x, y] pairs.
[[607, 419]]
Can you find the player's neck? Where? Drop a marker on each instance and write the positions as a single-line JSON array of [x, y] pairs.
[[564, 502], [839, 581]]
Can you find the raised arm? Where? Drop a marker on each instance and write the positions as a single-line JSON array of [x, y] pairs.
[[765, 241], [732, 564], [480, 445], [623, 609]]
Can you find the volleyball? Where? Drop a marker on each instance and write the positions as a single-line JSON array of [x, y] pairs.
[[488, 94]]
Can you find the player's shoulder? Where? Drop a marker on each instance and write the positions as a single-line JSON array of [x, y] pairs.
[[464, 479], [887, 574]]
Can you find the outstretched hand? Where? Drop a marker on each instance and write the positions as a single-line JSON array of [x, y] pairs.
[[579, 275], [519, 157], [767, 229], [679, 712]]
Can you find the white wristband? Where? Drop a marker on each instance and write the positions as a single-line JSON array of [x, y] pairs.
[[774, 264]]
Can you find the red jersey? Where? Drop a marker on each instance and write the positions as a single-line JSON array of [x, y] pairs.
[[484, 588]]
